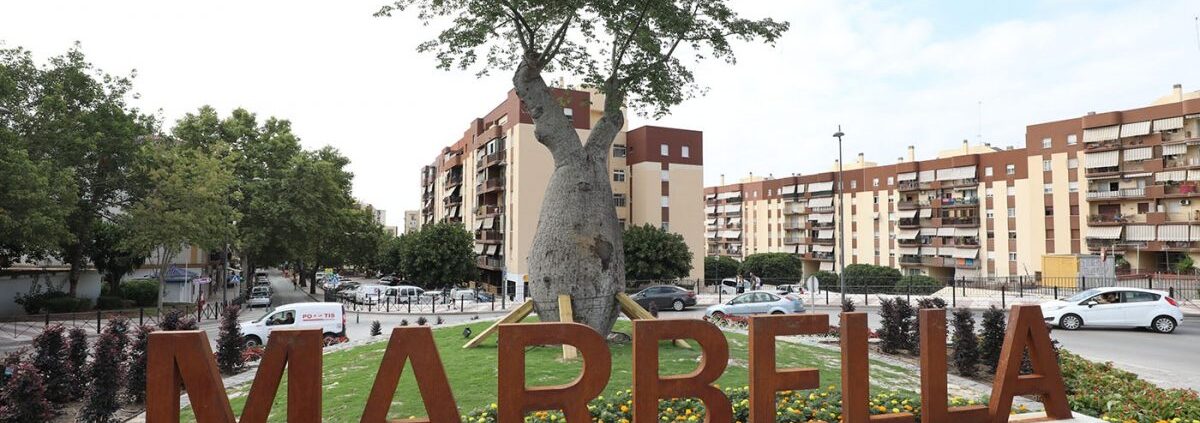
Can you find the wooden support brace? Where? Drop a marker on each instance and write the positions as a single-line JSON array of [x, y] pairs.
[[566, 315], [517, 315], [634, 311]]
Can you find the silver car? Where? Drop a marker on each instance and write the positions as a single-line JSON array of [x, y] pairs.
[[756, 302]]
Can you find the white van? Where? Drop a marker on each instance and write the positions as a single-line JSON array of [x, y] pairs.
[[329, 317]]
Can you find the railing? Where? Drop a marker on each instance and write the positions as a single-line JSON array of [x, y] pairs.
[[1121, 193], [489, 261], [823, 225], [910, 259], [909, 222], [953, 202], [1185, 162], [491, 184], [794, 209], [1179, 245], [488, 210], [490, 160], [452, 200], [910, 186], [1185, 189], [792, 225], [489, 235], [960, 221], [822, 256], [792, 240], [966, 263], [912, 242], [1100, 170], [936, 261], [960, 182], [827, 209], [907, 205], [1109, 218], [453, 180], [1102, 145]]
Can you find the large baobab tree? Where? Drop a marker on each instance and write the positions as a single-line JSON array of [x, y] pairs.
[[627, 50]]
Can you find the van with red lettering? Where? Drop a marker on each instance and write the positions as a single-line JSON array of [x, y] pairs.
[[329, 317]]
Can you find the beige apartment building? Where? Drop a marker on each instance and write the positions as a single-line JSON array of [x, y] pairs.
[[1118, 183], [493, 178]]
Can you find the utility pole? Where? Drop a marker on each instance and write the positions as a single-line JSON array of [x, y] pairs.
[[837, 237]]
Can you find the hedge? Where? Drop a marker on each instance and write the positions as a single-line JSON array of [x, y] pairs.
[[143, 292], [66, 305], [918, 285]]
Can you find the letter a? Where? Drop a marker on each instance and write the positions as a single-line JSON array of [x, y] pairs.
[[416, 343], [649, 387], [1027, 329]]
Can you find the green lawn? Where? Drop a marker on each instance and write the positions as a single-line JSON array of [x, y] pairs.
[[349, 374]]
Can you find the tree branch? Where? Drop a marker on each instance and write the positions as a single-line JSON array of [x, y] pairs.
[[619, 55], [551, 128], [522, 27], [555, 43]]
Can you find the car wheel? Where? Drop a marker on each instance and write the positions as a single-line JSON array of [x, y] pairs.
[[677, 305], [252, 341], [1070, 322], [1163, 324], [330, 338], [718, 316]]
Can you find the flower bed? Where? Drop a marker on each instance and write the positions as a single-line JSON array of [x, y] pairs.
[[1112, 394]]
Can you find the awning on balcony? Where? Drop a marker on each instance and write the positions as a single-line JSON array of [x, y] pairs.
[[712, 196], [496, 250], [927, 176], [736, 221], [945, 232], [1101, 159], [800, 249], [827, 266], [822, 218], [732, 234], [926, 213], [711, 209], [821, 202], [487, 250], [728, 195], [965, 232], [479, 248], [964, 172], [822, 248], [820, 186], [710, 234], [800, 188], [909, 176], [1195, 234], [907, 234], [825, 234], [733, 208], [908, 251], [1139, 232], [787, 189], [1173, 232], [1137, 175], [478, 224], [1170, 175], [1174, 149], [1104, 133], [906, 214], [965, 253], [712, 221], [1168, 123], [1104, 232], [489, 222], [1142, 153], [1135, 129], [928, 232]]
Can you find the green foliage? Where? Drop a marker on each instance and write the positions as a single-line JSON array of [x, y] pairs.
[[922, 303], [827, 280], [65, 304], [23, 398], [654, 254], [34, 196], [1185, 265], [931, 302], [105, 379], [230, 344], [773, 266], [111, 256], [376, 328], [896, 324], [143, 292], [848, 305], [1112, 394], [720, 267], [918, 285], [135, 390], [860, 278], [440, 255], [992, 337], [966, 343], [108, 302], [392, 254], [175, 319], [50, 358], [77, 355]]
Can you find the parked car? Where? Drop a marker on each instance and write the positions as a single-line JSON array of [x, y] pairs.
[[1115, 307], [260, 277], [665, 297], [484, 297], [729, 286], [329, 317], [462, 294], [346, 290], [404, 294], [259, 296], [756, 302], [369, 294], [789, 289]]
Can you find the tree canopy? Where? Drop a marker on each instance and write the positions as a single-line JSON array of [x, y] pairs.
[[720, 267], [654, 254], [773, 265], [439, 255]]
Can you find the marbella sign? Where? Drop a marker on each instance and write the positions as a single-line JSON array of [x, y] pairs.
[[184, 359]]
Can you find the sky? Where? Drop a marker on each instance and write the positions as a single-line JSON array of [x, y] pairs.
[[892, 73]]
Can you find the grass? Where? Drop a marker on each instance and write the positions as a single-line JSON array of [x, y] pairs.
[[349, 374]]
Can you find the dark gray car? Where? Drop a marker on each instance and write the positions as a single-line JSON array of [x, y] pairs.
[[665, 297]]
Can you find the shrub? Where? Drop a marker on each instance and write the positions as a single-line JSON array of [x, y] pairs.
[[31, 301], [77, 355], [439, 320], [773, 266], [135, 391], [376, 330], [966, 343], [896, 325], [1112, 394], [918, 285], [230, 345], [66, 304], [176, 319], [860, 278], [827, 280], [143, 292], [403, 322], [992, 337], [421, 321], [50, 359], [24, 397], [109, 303], [720, 267], [105, 376], [922, 303], [931, 302], [848, 305]]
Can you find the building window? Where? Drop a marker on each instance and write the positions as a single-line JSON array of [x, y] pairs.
[[1071, 140], [1047, 188], [1010, 169], [1012, 213], [664, 150], [875, 183], [987, 171], [1046, 166], [988, 192], [1012, 234], [1046, 142], [665, 201], [891, 181], [854, 184], [1073, 186], [991, 234], [687, 152], [1049, 211], [618, 150], [1072, 163], [665, 175], [618, 176], [619, 200], [621, 222], [666, 226], [991, 214], [1012, 256]]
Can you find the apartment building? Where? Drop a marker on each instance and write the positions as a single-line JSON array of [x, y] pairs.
[[492, 180], [1118, 183], [412, 221]]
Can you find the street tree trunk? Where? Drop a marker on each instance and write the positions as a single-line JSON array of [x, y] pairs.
[[577, 249]]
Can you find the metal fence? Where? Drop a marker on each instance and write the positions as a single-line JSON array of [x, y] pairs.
[[29, 325]]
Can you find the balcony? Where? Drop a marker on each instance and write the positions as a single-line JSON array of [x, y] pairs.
[[1121, 193], [823, 225], [488, 210], [959, 202], [489, 185], [794, 208], [910, 260], [954, 183], [452, 201], [909, 223], [1180, 245], [793, 240], [1186, 189], [1181, 162], [793, 225], [823, 241], [911, 186], [453, 181], [966, 263], [490, 160], [937, 261], [1109, 244], [960, 221], [822, 256], [1103, 145], [489, 262], [907, 205], [828, 209], [1100, 171], [912, 242], [490, 235]]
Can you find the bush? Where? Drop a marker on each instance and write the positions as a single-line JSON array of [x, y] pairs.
[[931, 302], [24, 397], [720, 267], [176, 319], [918, 285], [1103, 391], [993, 328], [50, 359], [896, 325], [77, 355], [848, 306], [922, 303], [966, 343], [105, 376], [827, 280], [403, 322], [869, 278], [421, 321], [376, 330], [66, 304], [119, 327], [230, 345], [143, 292], [135, 391], [773, 266], [112, 303]]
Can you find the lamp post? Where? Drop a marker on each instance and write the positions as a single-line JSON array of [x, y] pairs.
[[837, 195]]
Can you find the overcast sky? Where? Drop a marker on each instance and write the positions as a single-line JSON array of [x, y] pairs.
[[892, 73]]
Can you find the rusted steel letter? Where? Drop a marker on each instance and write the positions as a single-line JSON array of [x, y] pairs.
[[1027, 329], [300, 350], [765, 378], [856, 377], [415, 343], [649, 387], [934, 408], [184, 358], [515, 399]]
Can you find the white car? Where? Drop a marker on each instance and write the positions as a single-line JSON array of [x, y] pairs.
[[369, 294], [729, 286], [404, 294], [462, 294], [329, 317], [1115, 307], [259, 298], [756, 302]]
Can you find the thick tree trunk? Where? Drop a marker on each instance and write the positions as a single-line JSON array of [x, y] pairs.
[[75, 257], [577, 249]]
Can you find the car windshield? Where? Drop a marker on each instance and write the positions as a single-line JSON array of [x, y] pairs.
[[1083, 295], [264, 316]]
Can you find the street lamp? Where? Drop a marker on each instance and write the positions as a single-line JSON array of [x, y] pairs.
[[837, 195]]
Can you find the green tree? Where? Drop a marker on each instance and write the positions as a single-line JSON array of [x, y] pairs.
[[186, 203], [861, 278], [773, 266], [392, 253], [316, 200], [440, 255], [74, 118], [720, 267], [654, 254], [35, 201], [625, 51], [112, 256]]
